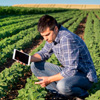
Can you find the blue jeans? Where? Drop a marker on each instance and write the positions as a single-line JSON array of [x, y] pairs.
[[70, 86]]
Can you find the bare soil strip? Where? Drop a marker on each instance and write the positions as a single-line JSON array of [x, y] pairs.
[[81, 28], [97, 16]]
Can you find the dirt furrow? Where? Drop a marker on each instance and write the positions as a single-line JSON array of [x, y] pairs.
[[81, 28]]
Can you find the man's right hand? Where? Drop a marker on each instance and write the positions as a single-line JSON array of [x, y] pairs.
[[21, 63]]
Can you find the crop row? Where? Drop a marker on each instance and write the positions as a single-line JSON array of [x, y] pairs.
[[91, 42], [24, 10], [14, 29], [13, 17], [14, 21], [11, 40], [74, 22]]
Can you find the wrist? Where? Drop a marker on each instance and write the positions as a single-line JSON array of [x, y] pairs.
[[56, 77], [50, 79], [31, 58]]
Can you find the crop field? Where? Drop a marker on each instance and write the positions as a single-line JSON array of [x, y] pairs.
[[18, 29], [70, 6]]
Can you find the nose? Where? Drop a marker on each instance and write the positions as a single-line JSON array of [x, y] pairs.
[[45, 38]]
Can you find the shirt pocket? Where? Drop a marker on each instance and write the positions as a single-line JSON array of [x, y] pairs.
[[57, 51], [58, 54]]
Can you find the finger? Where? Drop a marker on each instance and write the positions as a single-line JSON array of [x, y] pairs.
[[43, 85], [17, 61], [21, 50], [21, 63], [40, 82], [24, 64], [40, 77]]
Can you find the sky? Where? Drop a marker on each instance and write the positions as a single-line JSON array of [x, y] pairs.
[[13, 2]]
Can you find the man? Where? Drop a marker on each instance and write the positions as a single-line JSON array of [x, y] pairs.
[[77, 74]]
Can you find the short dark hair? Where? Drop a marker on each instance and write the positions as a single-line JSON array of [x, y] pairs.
[[45, 22]]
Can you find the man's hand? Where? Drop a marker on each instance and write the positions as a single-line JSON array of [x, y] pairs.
[[21, 63], [44, 82], [47, 80]]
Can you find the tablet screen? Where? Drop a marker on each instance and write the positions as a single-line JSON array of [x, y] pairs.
[[21, 57]]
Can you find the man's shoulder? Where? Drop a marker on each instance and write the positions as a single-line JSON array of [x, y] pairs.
[[65, 33], [63, 29]]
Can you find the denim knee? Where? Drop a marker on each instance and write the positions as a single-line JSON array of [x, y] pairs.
[[37, 66], [63, 88], [32, 67]]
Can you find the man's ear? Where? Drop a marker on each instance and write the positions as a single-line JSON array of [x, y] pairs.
[[56, 28]]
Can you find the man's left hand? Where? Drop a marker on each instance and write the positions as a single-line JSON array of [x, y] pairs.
[[44, 82]]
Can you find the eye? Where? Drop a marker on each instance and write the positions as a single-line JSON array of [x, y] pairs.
[[47, 34]]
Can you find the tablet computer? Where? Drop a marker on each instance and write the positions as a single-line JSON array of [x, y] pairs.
[[21, 57]]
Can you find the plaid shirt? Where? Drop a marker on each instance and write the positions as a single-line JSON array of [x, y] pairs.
[[72, 53]]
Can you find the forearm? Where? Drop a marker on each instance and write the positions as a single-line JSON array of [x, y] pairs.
[[56, 77], [47, 80], [35, 58]]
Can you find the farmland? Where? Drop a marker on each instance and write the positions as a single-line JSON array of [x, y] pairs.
[[68, 6], [18, 29]]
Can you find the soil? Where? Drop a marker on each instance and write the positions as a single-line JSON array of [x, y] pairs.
[[21, 84], [80, 29], [97, 16]]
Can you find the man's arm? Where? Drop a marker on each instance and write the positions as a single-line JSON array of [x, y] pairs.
[[35, 58], [56, 77], [70, 53], [43, 54], [47, 80]]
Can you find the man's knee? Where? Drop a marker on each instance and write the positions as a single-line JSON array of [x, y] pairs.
[[63, 87], [37, 66], [32, 66]]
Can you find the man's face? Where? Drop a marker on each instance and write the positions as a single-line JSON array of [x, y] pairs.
[[50, 35]]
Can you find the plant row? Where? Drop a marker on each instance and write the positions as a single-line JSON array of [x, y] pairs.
[[74, 22], [14, 29], [4, 10], [91, 42], [11, 40], [14, 21]]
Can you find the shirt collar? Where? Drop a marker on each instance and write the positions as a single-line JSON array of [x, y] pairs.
[[57, 39]]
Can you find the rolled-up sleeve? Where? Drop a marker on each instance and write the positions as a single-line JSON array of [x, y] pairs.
[[46, 51], [70, 53]]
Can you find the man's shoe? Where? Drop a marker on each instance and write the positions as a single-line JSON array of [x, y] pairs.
[[56, 96], [78, 98], [83, 96]]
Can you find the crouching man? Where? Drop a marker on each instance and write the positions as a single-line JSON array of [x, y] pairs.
[[77, 74]]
